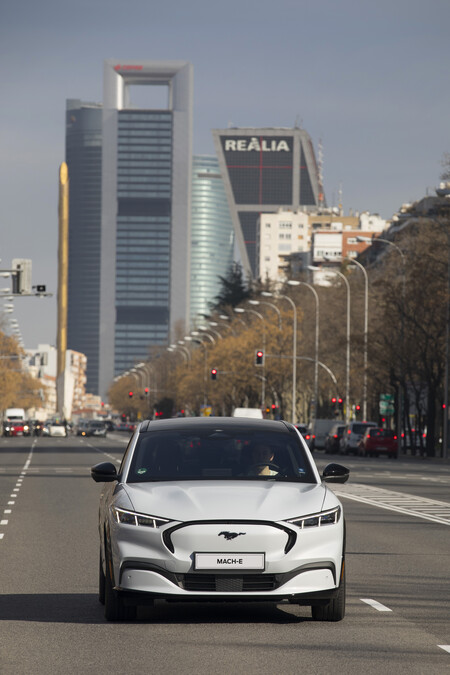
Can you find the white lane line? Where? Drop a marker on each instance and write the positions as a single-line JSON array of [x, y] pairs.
[[410, 505], [446, 648], [376, 605], [18, 486]]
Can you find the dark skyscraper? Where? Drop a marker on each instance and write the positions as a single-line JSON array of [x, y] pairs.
[[265, 170], [84, 161]]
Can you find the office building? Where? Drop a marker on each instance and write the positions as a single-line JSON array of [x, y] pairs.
[[145, 228], [84, 161], [212, 235], [263, 170]]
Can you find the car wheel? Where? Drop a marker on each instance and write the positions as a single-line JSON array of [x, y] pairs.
[[101, 581], [115, 608], [335, 609]]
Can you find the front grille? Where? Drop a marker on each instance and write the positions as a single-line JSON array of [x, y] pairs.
[[221, 583]]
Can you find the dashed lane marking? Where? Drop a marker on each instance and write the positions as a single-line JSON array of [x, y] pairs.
[[376, 605], [409, 505]]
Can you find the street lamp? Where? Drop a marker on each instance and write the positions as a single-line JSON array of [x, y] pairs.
[[347, 375], [269, 304], [366, 331], [293, 282], [400, 420], [267, 294]]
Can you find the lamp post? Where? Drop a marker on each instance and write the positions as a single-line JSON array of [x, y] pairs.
[[269, 304], [293, 282], [294, 351], [347, 369], [400, 420], [366, 331], [241, 310]]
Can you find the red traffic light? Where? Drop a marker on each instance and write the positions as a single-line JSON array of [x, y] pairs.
[[146, 391], [214, 373], [130, 394], [259, 358], [334, 399]]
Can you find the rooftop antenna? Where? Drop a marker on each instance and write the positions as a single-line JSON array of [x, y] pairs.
[[298, 122], [340, 199]]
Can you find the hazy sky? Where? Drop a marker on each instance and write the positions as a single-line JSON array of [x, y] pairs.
[[370, 79]]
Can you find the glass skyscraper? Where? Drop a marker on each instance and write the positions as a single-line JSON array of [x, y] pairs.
[[146, 182], [212, 235], [84, 161], [144, 194]]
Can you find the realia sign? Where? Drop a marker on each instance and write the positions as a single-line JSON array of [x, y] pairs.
[[255, 144]]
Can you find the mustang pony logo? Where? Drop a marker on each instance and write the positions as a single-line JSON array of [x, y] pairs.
[[230, 535]]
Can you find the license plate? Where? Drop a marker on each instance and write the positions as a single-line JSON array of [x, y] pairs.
[[229, 561]]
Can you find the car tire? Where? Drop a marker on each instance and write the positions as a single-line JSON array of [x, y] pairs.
[[335, 609], [115, 608], [101, 581]]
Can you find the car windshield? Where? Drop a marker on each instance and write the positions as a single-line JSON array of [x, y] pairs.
[[214, 454]]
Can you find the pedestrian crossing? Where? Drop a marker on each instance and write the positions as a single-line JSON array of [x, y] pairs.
[[410, 505]]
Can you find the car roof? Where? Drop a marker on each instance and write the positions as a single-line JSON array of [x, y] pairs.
[[231, 423]]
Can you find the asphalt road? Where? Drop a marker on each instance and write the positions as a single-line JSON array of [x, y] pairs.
[[398, 589]]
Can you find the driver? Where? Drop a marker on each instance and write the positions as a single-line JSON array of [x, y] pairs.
[[261, 458]]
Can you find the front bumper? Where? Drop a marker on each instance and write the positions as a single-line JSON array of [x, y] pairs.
[[300, 565]]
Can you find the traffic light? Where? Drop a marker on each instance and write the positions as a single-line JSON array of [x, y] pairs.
[[357, 407], [214, 373], [259, 357], [146, 391], [334, 400], [340, 403], [130, 394]]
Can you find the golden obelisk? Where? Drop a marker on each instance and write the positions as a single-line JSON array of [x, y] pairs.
[[63, 280]]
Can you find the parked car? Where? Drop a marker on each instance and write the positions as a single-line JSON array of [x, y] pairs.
[[377, 441], [96, 428], [351, 436], [197, 517], [333, 439]]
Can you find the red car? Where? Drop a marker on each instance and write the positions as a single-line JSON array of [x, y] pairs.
[[16, 428], [377, 441]]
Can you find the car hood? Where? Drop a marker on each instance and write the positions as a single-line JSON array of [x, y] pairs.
[[195, 500]]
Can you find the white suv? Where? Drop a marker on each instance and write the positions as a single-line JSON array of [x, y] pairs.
[[352, 435]]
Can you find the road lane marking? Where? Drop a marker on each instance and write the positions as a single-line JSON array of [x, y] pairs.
[[446, 648], [376, 605], [409, 505], [17, 488]]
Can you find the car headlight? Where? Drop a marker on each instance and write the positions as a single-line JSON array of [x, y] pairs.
[[330, 517], [139, 519], [26, 428]]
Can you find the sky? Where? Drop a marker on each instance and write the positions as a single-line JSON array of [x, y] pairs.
[[369, 80]]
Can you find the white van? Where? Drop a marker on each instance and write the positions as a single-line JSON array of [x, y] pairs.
[[255, 413], [15, 414]]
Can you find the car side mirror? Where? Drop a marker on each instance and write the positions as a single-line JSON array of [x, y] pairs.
[[335, 473], [105, 472]]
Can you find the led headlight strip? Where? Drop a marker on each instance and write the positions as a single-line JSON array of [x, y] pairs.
[[330, 517], [138, 519]]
